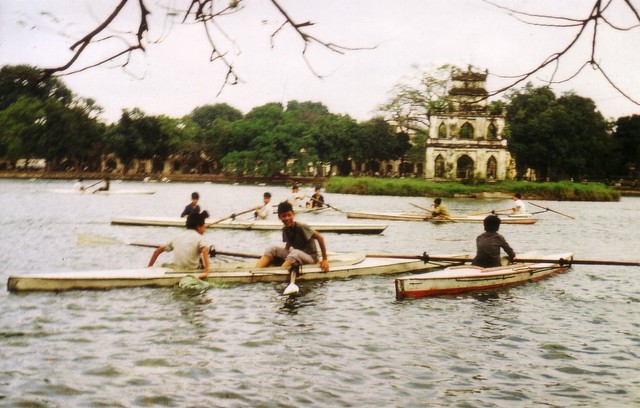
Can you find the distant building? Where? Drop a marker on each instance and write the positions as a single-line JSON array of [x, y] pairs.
[[466, 141]]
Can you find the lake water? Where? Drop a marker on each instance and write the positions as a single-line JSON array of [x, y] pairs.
[[570, 340]]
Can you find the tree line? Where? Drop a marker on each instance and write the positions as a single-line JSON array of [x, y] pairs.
[[559, 137], [44, 119]]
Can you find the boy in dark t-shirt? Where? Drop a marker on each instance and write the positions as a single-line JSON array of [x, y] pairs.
[[300, 245], [489, 244]]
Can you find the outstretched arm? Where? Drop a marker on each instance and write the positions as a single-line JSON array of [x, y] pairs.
[[155, 255], [324, 263]]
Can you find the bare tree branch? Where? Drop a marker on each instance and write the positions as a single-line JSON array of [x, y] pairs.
[[203, 12], [593, 22]]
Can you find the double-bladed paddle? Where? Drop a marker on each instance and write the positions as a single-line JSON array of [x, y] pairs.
[[489, 212], [328, 205], [88, 239], [427, 258], [234, 215], [553, 211], [429, 211]]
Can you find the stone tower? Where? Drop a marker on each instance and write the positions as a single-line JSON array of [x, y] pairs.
[[466, 139]]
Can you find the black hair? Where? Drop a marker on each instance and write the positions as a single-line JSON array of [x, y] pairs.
[[492, 223], [518, 196], [267, 195], [318, 188], [196, 219], [284, 207], [437, 200], [295, 187], [195, 196]]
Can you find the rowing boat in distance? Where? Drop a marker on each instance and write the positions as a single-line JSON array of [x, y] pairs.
[[98, 192], [525, 218], [253, 225], [467, 278], [342, 266]]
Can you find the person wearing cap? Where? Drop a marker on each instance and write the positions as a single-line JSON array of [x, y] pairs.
[[192, 207], [190, 250], [439, 209], [489, 243], [264, 211], [300, 243], [317, 200], [295, 197], [518, 205]]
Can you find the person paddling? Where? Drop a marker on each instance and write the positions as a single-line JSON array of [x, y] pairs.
[[518, 205], [489, 243], [300, 244], [264, 211], [439, 209], [192, 207], [190, 250], [317, 200]]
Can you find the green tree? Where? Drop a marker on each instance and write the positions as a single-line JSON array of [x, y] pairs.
[[558, 138], [138, 136], [44, 119], [627, 140], [17, 81]]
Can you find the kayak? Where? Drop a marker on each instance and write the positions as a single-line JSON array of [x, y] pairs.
[[466, 278], [99, 192], [256, 225], [342, 266], [524, 219]]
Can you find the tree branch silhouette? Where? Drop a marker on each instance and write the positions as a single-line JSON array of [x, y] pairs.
[[203, 12], [589, 26]]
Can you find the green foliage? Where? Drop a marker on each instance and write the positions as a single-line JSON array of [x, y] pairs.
[[418, 187], [627, 145], [559, 138]]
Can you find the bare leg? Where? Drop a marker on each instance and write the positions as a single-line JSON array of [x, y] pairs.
[[263, 262]]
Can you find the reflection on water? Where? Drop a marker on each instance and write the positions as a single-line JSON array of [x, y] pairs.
[[569, 340]]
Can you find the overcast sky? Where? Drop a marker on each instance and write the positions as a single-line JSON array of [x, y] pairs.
[[175, 75]]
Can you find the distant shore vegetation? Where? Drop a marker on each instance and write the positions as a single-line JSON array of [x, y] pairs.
[[414, 187]]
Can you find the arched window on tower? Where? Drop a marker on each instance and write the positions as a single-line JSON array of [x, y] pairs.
[[492, 168], [439, 167], [492, 132], [466, 131], [465, 167], [442, 131]]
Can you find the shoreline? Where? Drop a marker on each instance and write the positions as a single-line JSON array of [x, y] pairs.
[[469, 192]]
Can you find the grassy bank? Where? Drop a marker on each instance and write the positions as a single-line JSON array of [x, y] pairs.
[[561, 191]]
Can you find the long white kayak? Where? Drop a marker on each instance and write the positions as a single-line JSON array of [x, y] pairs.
[[342, 266], [99, 192], [525, 219], [466, 278], [258, 225]]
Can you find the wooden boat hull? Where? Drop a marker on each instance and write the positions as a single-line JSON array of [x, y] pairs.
[[167, 277], [258, 225], [460, 279], [415, 216]]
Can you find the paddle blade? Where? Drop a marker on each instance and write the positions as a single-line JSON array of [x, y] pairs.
[[89, 239], [291, 289]]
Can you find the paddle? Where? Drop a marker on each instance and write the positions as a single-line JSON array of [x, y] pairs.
[[489, 212], [429, 211], [234, 215], [292, 288], [328, 205], [549, 209], [88, 239], [427, 258], [92, 185]]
